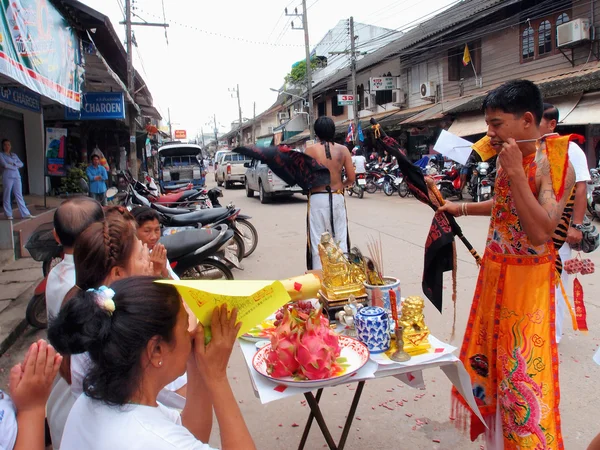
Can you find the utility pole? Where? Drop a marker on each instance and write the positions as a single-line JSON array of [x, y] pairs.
[[353, 53], [304, 27], [170, 126], [353, 68], [236, 91], [254, 124], [202, 133], [131, 82]]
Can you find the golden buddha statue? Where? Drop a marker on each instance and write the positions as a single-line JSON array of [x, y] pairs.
[[415, 332], [341, 278]]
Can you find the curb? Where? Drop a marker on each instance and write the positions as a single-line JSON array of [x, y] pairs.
[[12, 320]]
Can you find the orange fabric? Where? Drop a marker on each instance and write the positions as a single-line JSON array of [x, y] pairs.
[[484, 148], [557, 151], [509, 349]]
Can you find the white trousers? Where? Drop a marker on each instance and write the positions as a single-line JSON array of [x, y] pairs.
[[319, 221], [561, 303], [13, 185]]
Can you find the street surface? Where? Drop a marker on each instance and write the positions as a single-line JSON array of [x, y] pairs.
[[402, 226]]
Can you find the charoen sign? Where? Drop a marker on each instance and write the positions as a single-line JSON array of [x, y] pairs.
[[99, 106], [23, 98]]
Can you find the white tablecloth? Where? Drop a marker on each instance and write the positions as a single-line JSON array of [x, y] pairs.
[[409, 373]]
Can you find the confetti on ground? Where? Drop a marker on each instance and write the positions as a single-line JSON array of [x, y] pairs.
[[390, 390], [240, 401], [358, 418], [280, 424], [408, 415], [437, 441], [386, 406], [340, 427], [294, 425]]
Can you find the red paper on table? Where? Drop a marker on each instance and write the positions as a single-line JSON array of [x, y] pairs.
[[580, 312], [393, 306]]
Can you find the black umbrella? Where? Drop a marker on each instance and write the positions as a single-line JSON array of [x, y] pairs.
[[440, 253]]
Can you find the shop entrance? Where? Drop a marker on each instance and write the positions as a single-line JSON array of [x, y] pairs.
[[12, 128]]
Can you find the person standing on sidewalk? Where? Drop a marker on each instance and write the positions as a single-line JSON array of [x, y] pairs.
[[97, 176], [11, 181], [574, 235]]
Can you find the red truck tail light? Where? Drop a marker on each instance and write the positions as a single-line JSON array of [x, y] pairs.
[[228, 169], [270, 175]]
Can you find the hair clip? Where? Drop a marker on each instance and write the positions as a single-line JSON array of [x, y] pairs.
[[104, 298]]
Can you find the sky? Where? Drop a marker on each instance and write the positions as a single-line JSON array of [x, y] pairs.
[[214, 46]]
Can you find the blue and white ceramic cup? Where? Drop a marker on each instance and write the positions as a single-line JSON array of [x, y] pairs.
[[373, 328]]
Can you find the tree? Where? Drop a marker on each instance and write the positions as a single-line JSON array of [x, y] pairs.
[[297, 76]]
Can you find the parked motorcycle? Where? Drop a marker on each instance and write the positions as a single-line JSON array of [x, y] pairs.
[[593, 194], [479, 191], [42, 247], [201, 254], [449, 185], [358, 187]]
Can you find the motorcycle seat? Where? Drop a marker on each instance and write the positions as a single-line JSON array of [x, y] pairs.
[[202, 217], [187, 241], [170, 211]]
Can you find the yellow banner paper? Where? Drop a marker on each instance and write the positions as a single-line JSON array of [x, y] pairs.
[[255, 300]]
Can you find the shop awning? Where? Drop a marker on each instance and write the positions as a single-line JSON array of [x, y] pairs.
[[467, 125], [264, 141], [437, 111], [304, 136], [586, 111]]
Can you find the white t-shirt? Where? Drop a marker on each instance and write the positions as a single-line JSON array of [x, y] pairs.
[[92, 425], [359, 164], [579, 161], [8, 422], [60, 281]]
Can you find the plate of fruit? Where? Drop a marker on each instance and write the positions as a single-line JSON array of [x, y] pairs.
[[265, 329], [305, 352]]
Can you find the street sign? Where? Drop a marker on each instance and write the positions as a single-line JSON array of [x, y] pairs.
[[180, 134], [383, 83], [345, 99]]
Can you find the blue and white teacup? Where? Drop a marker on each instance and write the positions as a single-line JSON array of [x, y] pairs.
[[373, 328]]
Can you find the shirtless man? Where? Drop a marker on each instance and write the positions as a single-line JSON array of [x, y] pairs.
[[326, 205]]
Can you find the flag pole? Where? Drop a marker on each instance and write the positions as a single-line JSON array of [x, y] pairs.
[[475, 73]]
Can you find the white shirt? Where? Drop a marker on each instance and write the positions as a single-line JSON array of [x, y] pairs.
[[8, 422], [359, 164], [579, 161], [92, 425], [60, 281]]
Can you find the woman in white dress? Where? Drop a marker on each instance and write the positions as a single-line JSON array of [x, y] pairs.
[[137, 337]]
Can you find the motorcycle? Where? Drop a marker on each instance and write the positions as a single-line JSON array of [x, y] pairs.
[[477, 189], [184, 198], [358, 187], [593, 194], [449, 185], [42, 247], [201, 254]]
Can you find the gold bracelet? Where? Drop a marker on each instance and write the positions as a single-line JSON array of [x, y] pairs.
[[464, 209]]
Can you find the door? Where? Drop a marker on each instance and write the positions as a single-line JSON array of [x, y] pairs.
[[12, 128]]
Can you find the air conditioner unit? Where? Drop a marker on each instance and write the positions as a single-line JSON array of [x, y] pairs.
[[283, 115], [398, 97], [428, 89], [573, 32], [370, 101]]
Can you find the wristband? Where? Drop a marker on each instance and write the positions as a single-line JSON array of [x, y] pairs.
[[577, 226]]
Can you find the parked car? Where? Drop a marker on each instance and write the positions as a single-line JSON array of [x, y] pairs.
[[268, 185], [218, 155], [180, 164], [231, 169]]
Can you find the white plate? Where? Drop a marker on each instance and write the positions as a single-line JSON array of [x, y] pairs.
[[362, 182], [355, 352], [486, 189]]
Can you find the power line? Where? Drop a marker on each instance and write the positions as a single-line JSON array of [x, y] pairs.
[[224, 36]]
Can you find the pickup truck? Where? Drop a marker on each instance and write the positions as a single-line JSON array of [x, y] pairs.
[[231, 169], [260, 178]]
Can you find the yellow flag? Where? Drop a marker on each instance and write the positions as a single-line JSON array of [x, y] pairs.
[[466, 56]]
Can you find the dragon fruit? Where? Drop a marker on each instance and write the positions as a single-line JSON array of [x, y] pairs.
[[304, 347]]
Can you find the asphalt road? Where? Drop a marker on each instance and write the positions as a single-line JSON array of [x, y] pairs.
[[402, 226]]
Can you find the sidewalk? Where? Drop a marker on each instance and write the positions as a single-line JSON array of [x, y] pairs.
[[17, 283]]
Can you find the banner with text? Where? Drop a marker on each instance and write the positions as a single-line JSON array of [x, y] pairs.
[[98, 106], [40, 50], [383, 83], [23, 98], [56, 145]]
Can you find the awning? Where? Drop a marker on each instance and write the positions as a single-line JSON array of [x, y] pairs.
[[304, 136], [150, 111], [264, 142], [467, 125], [587, 111], [437, 111]]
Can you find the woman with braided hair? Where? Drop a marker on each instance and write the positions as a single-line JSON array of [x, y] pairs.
[[105, 252]]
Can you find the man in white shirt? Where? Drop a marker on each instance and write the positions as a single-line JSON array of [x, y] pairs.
[[578, 160], [71, 218]]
